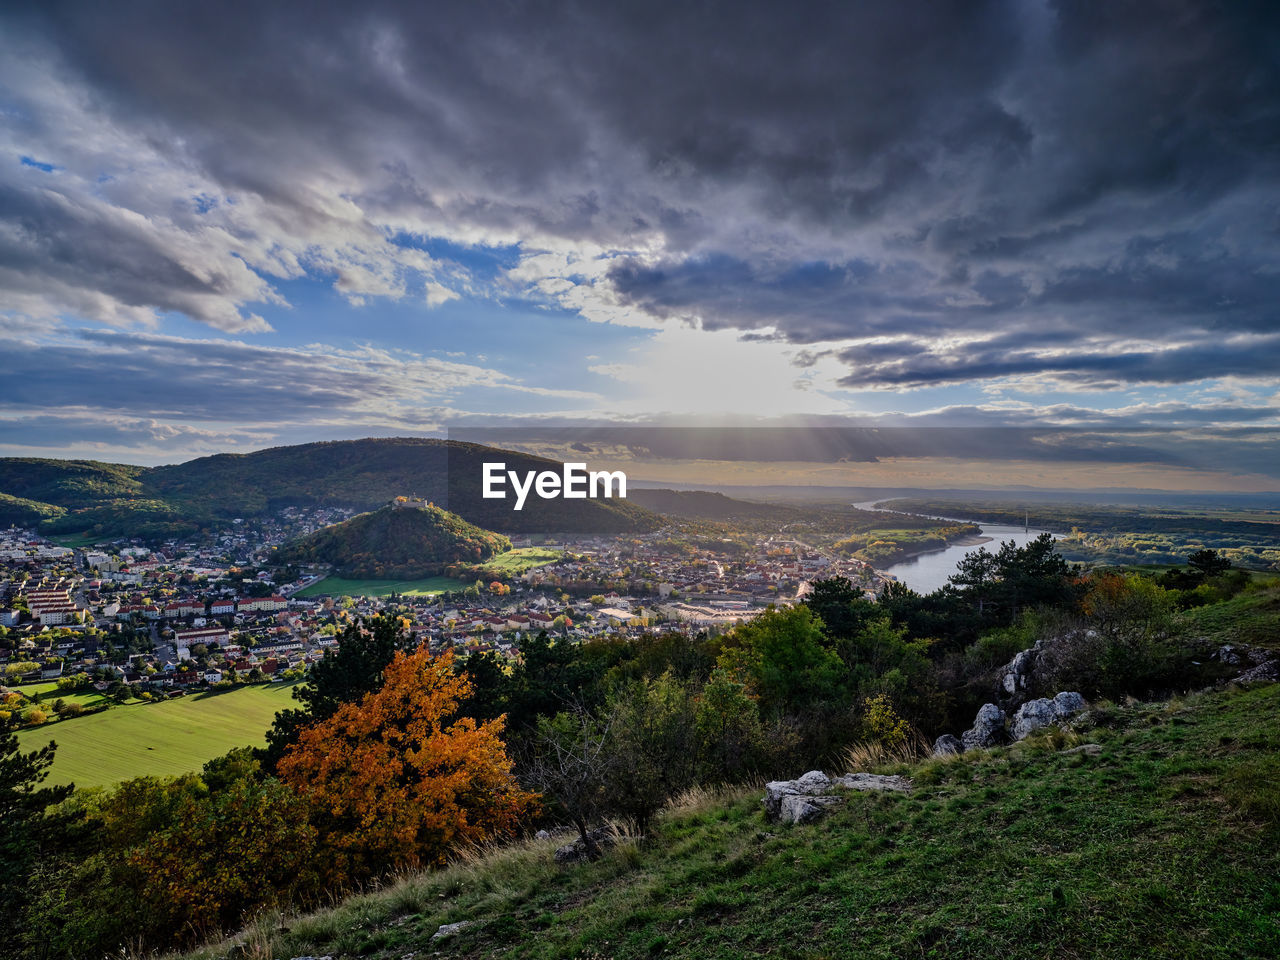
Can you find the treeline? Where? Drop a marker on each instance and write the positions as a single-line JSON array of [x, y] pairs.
[[393, 757], [1128, 535], [885, 547]]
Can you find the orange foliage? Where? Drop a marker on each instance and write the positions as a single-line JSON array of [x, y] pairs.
[[396, 782]]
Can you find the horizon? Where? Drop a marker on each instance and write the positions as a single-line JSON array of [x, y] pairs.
[[1042, 216]]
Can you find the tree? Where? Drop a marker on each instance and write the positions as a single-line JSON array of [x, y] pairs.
[[729, 729], [396, 781], [782, 658], [653, 744], [1208, 563], [344, 676], [570, 764], [27, 832]]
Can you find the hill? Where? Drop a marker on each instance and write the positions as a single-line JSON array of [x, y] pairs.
[[110, 500], [399, 540], [1161, 841], [706, 505]]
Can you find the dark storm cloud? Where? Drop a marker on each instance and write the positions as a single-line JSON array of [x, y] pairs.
[[1083, 172]]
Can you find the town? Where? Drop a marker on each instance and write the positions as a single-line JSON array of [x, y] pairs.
[[159, 621]]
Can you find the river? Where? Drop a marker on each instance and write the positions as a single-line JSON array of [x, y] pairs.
[[929, 571]]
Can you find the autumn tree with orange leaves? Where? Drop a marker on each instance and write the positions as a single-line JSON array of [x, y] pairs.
[[397, 780]]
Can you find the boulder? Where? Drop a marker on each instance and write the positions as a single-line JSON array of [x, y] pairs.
[[987, 730], [1069, 703], [947, 746], [873, 781], [806, 798], [1031, 716], [542, 835], [797, 808], [1037, 714], [812, 784]]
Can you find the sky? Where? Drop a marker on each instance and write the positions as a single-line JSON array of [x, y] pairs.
[[237, 225]]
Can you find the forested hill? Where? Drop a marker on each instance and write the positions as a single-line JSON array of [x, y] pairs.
[[706, 505], [101, 499], [408, 541]]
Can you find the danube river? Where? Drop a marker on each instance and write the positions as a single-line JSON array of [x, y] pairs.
[[929, 571]]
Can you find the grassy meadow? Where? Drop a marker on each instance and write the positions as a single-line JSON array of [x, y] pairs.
[[1164, 841], [342, 587], [159, 739], [517, 561]]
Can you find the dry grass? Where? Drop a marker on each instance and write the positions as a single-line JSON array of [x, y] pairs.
[[871, 756]]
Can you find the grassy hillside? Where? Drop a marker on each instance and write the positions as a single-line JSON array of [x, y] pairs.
[[105, 500], [396, 543], [160, 739], [705, 505], [1165, 844]]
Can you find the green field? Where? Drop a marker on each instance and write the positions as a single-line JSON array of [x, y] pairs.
[[75, 540], [342, 587], [517, 561], [159, 739]]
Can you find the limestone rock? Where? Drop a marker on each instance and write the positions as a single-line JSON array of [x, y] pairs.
[[873, 781], [1068, 703], [806, 798], [987, 730], [797, 808], [1037, 714], [947, 746], [450, 929], [812, 784]]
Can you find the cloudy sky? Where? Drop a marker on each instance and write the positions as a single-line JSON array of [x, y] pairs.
[[239, 225]]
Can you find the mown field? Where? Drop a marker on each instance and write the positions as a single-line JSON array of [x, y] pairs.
[[159, 739], [342, 587], [517, 561], [1165, 844]]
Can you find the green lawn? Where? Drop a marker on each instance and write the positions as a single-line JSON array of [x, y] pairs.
[[515, 562], [160, 739], [75, 540], [342, 587]]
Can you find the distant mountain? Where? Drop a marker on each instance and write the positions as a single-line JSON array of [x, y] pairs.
[[400, 540], [111, 500], [705, 505]]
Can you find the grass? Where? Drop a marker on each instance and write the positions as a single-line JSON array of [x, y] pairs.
[[341, 587], [517, 561], [76, 540], [160, 739], [1250, 618], [1166, 844]]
